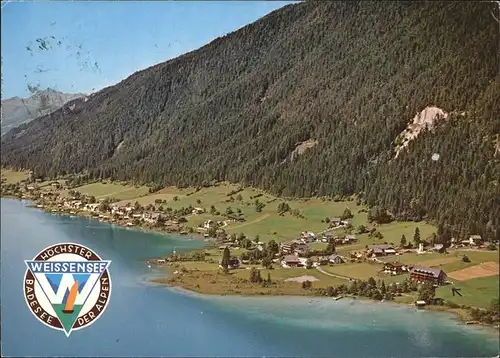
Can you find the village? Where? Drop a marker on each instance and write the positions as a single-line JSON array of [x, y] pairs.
[[298, 253]]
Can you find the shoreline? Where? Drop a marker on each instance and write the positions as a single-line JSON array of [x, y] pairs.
[[450, 313], [457, 313], [84, 214]]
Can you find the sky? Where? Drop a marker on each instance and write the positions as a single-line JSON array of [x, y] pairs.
[[85, 46]]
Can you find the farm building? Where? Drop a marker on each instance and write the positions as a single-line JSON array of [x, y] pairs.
[[237, 218], [382, 250]]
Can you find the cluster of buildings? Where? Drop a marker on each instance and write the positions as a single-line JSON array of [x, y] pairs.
[[296, 261], [113, 213], [296, 252], [295, 247], [473, 241], [300, 246]]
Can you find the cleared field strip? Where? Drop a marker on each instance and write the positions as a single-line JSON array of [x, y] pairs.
[[482, 270]]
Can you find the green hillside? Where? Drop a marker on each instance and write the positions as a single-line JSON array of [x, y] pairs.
[[349, 75]]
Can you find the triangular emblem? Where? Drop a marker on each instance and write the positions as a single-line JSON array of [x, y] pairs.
[[67, 286], [67, 305]]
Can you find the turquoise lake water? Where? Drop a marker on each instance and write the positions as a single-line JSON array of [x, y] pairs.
[[143, 319]]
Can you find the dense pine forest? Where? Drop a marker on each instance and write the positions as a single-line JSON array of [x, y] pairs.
[[349, 75]]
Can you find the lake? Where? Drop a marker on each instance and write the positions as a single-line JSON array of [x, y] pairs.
[[143, 319]]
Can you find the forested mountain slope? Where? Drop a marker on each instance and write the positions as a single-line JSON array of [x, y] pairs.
[[349, 75]]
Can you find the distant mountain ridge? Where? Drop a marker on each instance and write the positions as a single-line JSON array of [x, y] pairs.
[[16, 111], [311, 100]]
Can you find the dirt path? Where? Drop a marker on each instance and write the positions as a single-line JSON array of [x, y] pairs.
[[327, 230], [332, 274], [265, 216]]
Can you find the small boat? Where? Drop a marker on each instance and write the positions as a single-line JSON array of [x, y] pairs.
[[337, 298]]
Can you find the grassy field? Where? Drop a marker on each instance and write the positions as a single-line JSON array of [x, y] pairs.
[[277, 272], [356, 270], [146, 200], [475, 257], [282, 274], [216, 254], [268, 224], [363, 271], [391, 232], [113, 190], [447, 262], [207, 278], [478, 292], [12, 176]]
